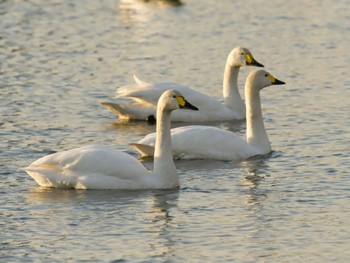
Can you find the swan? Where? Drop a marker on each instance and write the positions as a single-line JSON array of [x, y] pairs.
[[100, 167], [145, 95], [206, 142]]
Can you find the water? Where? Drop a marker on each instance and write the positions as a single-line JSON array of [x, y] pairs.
[[60, 59]]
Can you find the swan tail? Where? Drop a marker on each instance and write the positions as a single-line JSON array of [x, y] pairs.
[[143, 149], [117, 109], [130, 111], [141, 83], [133, 91], [42, 174], [141, 91]]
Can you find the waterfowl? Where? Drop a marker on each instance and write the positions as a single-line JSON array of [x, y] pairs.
[[100, 167], [204, 142], [145, 95]]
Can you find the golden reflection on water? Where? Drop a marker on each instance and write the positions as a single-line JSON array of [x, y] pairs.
[[59, 65], [161, 224], [254, 172]]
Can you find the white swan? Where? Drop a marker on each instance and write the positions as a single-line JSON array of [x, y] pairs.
[[206, 142], [145, 95], [100, 167]]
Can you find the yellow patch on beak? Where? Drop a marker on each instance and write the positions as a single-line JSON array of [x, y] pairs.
[[181, 101], [272, 78], [248, 58]]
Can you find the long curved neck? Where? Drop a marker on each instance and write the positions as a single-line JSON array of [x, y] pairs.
[[256, 133], [232, 98], [164, 167]]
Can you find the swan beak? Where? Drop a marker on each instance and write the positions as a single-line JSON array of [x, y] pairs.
[[189, 106], [275, 81], [278, 82], [250, 61], [184, 104]]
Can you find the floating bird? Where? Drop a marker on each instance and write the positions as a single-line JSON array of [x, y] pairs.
[[100, 167], [145, 96], [207, 142]]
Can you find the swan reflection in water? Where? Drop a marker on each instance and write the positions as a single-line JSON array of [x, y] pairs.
[[254, 171], [162, 224], [143, 10]]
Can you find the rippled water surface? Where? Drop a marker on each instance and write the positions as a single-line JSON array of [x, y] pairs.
[[60, 59]]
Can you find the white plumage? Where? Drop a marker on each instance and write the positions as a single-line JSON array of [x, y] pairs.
[[145, 96], [206, 142], [100, 167]]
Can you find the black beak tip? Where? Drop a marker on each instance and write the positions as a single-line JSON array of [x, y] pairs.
[[256, 64], [189, 106], [279, 82]]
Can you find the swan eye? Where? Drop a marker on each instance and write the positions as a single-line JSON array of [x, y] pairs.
[[242, 53], [174, 96], [266, 75]]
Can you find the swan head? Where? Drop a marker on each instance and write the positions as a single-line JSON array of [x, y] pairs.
[[260, 79], [172, 100], [241, 56]]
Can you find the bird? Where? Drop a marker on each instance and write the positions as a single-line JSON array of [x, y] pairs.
[[208, 142], [101, 167], [144, 96]]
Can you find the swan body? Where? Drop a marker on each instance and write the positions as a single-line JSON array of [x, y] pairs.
[[206, 142], [144, 96], [201, 142], [100, 167]]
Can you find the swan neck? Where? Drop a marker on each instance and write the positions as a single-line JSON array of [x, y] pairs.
[[232, 97], [164, 167], [256, 133]]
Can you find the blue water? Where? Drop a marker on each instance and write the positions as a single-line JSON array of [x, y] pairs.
[[60, 59]]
